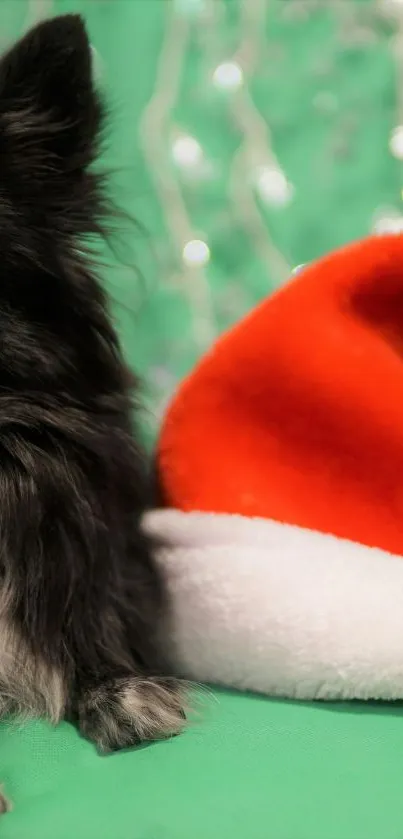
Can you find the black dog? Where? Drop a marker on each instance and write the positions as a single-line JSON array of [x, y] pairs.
[[81, 603]]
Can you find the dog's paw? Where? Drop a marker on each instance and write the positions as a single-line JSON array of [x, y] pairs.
[[130, 711]]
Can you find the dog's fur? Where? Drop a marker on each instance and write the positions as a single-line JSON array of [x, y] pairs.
[[81, 603]]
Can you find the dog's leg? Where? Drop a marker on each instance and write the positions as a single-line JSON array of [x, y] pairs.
[[87, 614], [124, 695]]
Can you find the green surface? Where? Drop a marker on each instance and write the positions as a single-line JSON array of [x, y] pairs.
[[252, 769], [324, 80]]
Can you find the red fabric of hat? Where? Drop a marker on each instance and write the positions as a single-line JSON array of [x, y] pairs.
[[296, 414]]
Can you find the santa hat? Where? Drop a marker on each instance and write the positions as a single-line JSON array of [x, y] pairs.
[[293, 423]]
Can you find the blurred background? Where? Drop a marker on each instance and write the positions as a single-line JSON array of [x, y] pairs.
[[247, 137]]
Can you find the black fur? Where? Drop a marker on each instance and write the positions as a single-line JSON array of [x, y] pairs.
[[84, 600]]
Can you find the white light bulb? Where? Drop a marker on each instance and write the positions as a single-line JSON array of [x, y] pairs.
[[388, 220], [273, 186], [389, 225], [186, 151], [298, 269], [196, 252], [391, 8], [228, 75], [396, 142]]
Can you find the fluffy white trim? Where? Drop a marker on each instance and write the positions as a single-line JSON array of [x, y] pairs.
[[281, 610]]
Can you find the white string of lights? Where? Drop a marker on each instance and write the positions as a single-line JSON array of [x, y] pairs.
[[155, 127], [255, 169], [389, 219], [37, 10]]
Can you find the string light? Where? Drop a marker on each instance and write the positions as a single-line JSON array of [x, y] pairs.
[[298, 269], [387, 220], [396, 142], [388, 225], [187, 151], [228, 76], [256, 145], [390, 220], [196, 252], [37, 10], [156, 123], [273, 186]]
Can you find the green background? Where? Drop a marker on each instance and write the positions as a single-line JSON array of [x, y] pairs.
[[321, 93]]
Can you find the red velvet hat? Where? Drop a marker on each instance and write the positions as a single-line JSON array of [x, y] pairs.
[[296, 414]]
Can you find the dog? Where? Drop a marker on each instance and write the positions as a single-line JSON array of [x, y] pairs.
[[82, 606]]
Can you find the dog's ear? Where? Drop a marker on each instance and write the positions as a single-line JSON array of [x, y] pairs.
[[48, 105]]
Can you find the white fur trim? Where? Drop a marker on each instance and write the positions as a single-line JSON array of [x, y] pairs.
[[281, 610]]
